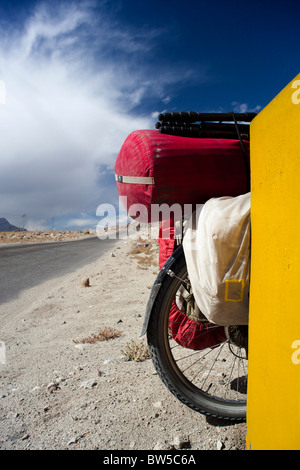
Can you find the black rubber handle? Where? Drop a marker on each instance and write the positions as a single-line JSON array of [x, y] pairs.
[[193, 116]]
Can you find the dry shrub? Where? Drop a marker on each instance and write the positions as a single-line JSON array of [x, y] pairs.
[[145, 252], [103, 334], [137, 352], [141, 246]]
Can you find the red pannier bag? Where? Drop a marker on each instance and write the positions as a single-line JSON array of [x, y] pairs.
[[156, 168], [166, 241], [194, 335], [185, 331]]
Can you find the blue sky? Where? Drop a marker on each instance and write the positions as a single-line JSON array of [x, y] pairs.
[[80, 76]]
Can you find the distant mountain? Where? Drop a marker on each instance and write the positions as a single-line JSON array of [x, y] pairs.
[[5, 226]]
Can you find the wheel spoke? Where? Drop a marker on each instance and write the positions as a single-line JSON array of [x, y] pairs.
[[196, 360], [219, 370]]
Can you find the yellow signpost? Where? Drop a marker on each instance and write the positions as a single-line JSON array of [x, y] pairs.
[[273, 400]]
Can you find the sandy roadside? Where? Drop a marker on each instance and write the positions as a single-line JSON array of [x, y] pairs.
[[58, 392], [10, 238]]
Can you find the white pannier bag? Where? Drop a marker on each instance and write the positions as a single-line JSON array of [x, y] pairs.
[[217, 251]]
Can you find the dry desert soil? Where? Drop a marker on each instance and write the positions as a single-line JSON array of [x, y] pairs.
[[63, 389]]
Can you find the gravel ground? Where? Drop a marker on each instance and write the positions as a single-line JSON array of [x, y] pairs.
[[61, 389]]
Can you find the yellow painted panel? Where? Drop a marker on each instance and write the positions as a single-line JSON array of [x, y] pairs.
[[273, 407]]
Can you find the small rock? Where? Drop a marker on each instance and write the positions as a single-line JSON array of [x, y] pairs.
[[180, 442], [220, 445], [112, 255], [163, 446], [72, 441], [52, 386], [85, 282], [157, 404], [88, 383], [59, 380], [80, 347]]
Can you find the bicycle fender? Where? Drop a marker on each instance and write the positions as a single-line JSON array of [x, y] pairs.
[[157, 285]]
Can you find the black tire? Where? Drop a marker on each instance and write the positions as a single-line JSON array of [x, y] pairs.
[[185, 371]]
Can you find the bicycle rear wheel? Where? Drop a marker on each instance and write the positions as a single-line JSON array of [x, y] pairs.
[[210, 380]]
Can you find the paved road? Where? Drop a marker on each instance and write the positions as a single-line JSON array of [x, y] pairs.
[[25, 266]]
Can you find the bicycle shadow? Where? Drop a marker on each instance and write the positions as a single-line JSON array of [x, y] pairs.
[[239, 384]]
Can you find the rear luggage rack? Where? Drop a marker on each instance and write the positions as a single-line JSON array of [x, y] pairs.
[[206, 125]]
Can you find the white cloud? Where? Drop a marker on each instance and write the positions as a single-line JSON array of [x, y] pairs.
[[167, 99], [244, 108], [88, 222], [72, 82]]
